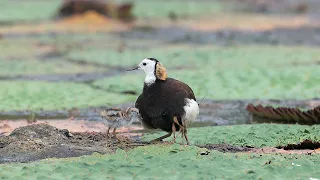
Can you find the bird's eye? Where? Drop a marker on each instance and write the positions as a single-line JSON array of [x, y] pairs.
[[144, 64]]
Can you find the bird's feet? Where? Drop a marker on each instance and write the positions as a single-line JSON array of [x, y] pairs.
[[155, 141], [122, 140], [184, 136], [174, 133], [109, 135], [159, 139]]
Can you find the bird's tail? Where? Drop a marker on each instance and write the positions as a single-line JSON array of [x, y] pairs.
[[201, 100]]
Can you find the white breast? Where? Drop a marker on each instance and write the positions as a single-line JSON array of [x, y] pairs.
[[191, 111], [150, 79]]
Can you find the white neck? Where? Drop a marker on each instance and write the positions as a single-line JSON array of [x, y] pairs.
[[150, 78]]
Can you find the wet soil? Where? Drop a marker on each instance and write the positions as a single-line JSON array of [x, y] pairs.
[[294, 149], [226, 148], [7, 126], [40, 141], [306, 144]]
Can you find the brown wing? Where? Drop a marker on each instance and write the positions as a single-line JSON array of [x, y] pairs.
[[111, 115], [165, 98], [181, 86]]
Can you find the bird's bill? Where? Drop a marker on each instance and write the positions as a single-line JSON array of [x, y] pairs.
[[134, 68]]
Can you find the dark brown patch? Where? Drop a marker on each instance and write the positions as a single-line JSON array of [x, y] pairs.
[[226, 148], [289, 115], [129, 92], [306, 144], [161, 72], [108, 9]]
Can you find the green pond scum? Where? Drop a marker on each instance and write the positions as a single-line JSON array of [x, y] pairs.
[[33, 67], [35, 95], [174, 161], [27, 10], [30, 11], [169, 162], [212, 72], [232, 70], [255, 135], [233, 57]]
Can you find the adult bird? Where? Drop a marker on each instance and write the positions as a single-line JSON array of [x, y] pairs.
[[165, 103]]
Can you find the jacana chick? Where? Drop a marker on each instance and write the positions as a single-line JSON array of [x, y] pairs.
[[115, 118]]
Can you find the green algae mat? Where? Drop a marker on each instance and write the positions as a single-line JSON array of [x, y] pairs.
[[257, 135], [45, 10], [246, 72], [169, 162], [33, 95], [173, 161]]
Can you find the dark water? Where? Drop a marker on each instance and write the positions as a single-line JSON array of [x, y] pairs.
[[212, 113]]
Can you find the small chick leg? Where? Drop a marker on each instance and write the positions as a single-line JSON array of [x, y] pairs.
[[108, 132], [174, 133], [114, 132], [162, 137]]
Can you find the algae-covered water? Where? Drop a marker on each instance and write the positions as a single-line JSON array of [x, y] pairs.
[[174, 161], [169, 162], [44, 65], [257, 135]]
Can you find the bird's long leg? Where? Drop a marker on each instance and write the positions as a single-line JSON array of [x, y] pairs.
[[108, 133], [175, 120], [162, 137], [174, 133], [183, 129], [184, 132], [115, 135], [186, 137]]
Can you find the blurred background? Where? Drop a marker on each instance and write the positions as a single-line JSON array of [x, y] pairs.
[[59, 59]]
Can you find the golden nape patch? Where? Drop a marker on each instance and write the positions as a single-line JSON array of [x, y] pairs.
[[161, 72]]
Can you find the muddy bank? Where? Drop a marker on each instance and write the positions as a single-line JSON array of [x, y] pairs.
[[40, 141], [7, 126], [227, 148]]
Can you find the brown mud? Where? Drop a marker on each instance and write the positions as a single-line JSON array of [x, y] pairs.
[[227, 148], [41, 141]]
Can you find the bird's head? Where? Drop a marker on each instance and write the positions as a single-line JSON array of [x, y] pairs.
[[153, 70], [133, 113], [132, 110]]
